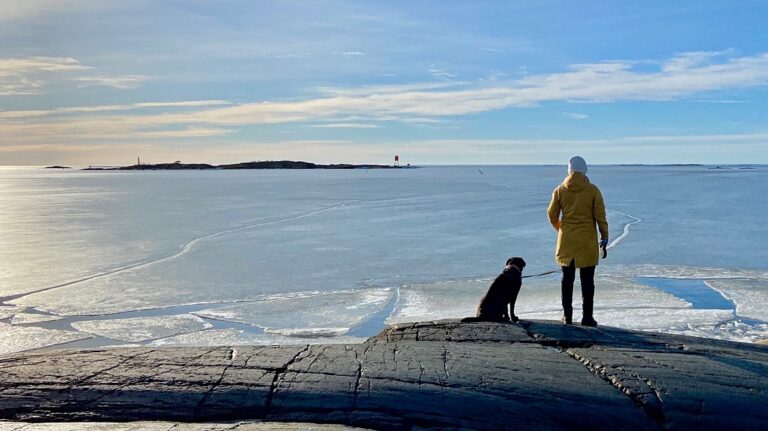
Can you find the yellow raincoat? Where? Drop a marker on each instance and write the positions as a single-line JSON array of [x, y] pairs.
[[581, 205]]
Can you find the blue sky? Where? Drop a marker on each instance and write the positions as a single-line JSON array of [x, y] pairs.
[[438, 82]]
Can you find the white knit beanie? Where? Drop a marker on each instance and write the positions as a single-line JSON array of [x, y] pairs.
[[577, 164]]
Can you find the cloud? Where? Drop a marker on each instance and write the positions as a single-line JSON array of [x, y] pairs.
[[720, 101], [287, 55], [697, 139], [601, 82], [20, 76], [576, 115], [13, 10], [442, 73], [182, 103], [185, 133], [20, 86], [346, 126], [121, 128], [351, 54], [688, 60], [18, 66], [27, 75], [122, 82], [368, 90], [108, 108]]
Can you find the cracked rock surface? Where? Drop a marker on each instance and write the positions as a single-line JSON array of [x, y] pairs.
[[444, 374], [170, 426]]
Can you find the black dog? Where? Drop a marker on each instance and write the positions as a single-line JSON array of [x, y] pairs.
[[503, 292]]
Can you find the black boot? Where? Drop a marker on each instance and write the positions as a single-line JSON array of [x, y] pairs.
[[587, 319], [587, 276], [566, 293]]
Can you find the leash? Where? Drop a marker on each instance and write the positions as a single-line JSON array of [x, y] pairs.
[[540, 274], [604, 249]]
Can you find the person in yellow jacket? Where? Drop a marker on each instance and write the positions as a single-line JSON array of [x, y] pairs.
[[576, 208]]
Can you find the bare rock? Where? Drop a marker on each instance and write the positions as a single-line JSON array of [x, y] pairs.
[[444, 374]]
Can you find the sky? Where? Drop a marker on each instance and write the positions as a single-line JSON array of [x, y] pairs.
[[103, 82]]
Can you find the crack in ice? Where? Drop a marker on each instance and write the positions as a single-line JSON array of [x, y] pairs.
[[184, 249], [626, 229]]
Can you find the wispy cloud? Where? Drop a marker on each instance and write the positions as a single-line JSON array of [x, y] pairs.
[[576, 115], [289, 55], [20, 86], [20, 76], [368, 90], [601, 82], [350, 54], [720, 101], [17, 66], [442, 73], [346, 126], [29, 75], [143, 105], [688, 60], [193, 132], [109, 108], [122, 82], [21, 9], [23, 114]]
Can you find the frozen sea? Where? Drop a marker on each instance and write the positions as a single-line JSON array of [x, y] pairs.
[[319, 256]]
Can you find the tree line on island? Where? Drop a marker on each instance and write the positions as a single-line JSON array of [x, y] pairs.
[[269, 164]]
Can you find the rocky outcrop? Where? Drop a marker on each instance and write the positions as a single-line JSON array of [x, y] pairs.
[[172, 426], [445, 374]]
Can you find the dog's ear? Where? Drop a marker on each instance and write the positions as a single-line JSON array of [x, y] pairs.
[[518, 261]]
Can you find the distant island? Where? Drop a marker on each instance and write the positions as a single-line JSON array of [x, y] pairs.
[[279, 164], [57, 167]]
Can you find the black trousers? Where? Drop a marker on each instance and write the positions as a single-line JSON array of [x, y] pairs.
[[587, 276]]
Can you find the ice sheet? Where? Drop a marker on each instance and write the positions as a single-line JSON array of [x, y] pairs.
[[20, 338], [142, 328], [25, 318], [625, 293], [121, 241], [750, 296], [538, 298], [308, 332], [297, 231], [664, 319], [619, 302], [427, 301], [7, 311], [308, 314], [681, 271]]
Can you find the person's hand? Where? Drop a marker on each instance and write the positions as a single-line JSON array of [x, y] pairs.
[[603, 243]]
